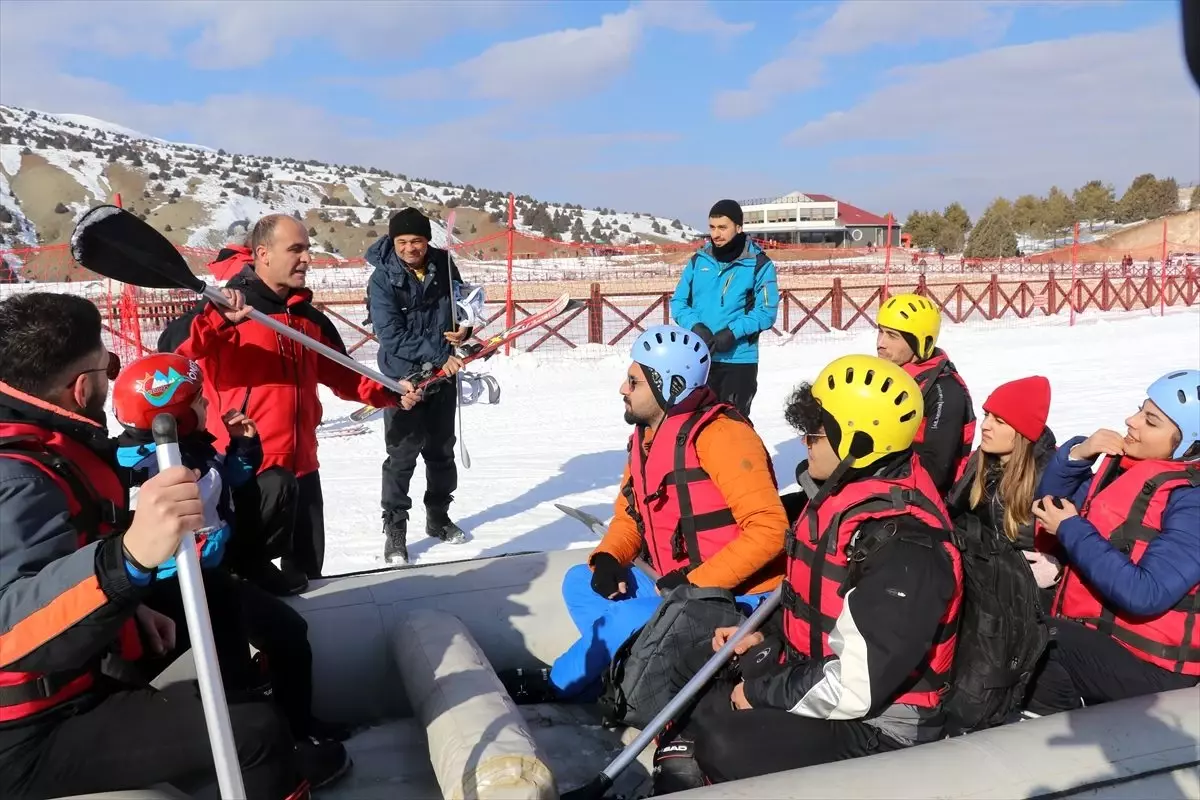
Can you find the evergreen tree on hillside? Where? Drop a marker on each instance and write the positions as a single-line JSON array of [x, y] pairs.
[[1058, 214], [1095, 201], [957, 217], [993, 236], [1027, 214], [1194, 203]]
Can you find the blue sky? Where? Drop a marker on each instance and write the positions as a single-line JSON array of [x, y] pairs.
[[660, 106]]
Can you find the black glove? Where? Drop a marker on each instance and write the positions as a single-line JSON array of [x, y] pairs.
[[607, 575], [723, 340], [672, 579], [761, 660], [706, 335]]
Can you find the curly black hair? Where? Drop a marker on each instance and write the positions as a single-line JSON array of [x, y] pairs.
[[803, 411]]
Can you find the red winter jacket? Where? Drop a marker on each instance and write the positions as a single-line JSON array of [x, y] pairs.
[[272, 377]]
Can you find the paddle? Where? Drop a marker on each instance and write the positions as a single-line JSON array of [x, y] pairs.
[[114, 243], [595, 789], [204, 650]]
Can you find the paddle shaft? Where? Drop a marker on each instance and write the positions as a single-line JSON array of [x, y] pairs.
[[195, 609], [689, 690], [215, 296]]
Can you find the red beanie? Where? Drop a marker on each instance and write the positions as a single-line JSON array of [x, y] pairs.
[[1024, 404]]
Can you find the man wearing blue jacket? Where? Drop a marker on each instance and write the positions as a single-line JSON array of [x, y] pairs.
[[1127, 607], [727, 295], [411, 301]]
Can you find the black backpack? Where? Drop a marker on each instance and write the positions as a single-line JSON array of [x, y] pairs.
[[1002, 631], [644, 674]]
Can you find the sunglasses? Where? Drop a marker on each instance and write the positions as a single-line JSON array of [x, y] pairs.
[[110, 370], [810, 439]]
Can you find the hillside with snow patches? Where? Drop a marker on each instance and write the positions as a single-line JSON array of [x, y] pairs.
[[53, 167]]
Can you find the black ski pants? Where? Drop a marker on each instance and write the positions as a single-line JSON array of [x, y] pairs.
[[1084, 666], [308, 539], [426, 430], [264, 521], [735, 384], [243, 614], [136, 738], [731, 745]]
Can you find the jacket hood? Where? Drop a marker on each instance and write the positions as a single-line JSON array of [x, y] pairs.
[[382, 255], [260, 295], [230, 261]]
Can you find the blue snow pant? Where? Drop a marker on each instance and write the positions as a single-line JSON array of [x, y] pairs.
[[604, 625]]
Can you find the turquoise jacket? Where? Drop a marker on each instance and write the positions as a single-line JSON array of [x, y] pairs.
[[742, 296]]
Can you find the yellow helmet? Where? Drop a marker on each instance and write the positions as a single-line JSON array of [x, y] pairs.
[[876, 404], [916, 316]]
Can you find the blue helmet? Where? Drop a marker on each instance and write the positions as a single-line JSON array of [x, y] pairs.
[[675, 360], [1177, 394]]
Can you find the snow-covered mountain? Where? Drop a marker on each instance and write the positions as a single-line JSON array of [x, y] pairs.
[[53, 167]]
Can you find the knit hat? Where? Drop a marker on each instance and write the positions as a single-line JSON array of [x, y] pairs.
[[409, 222], [1024, 404], [727, 208]]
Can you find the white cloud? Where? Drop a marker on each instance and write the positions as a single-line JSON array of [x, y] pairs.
[[1016, 119], [566, 63], [856, 26]]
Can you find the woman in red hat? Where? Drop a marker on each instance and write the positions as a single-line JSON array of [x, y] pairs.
[[1001, 477]]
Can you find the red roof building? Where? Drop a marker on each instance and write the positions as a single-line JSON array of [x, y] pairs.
[[803, 218]]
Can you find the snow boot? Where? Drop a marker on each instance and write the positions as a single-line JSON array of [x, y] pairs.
[[395, 548], [675, 767], [322, 761], [438, 525]]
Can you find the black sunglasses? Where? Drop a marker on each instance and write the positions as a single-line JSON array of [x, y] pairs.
[[111, 370]]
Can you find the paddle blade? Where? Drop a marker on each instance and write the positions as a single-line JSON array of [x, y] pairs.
[[114, 243]]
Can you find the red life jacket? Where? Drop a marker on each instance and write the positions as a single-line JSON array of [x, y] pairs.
[[926, 374], [97, 503], [1127, 510], [819, 571], [681, 514]]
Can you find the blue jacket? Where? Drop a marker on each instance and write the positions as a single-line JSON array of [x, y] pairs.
[[742, 296], [1168, 569], [409, 315], [220, 476]]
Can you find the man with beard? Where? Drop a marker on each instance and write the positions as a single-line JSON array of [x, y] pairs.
[[727, 296], [273, 380], [698, 498], [411, 297], [74, 570]]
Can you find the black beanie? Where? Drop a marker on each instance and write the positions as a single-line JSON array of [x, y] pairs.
[[409, 222], [727, 208]]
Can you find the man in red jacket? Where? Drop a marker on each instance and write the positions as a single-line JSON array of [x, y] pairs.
[[273, 380]]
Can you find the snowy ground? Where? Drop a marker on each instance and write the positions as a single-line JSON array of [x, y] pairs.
[[557, 433]]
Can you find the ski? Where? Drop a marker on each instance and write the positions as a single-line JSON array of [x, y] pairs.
[[364, 413], [341, 432], [464, 455]]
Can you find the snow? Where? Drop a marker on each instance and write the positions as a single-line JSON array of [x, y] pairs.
[[85, 168], [10, 158], [557, 434], [99, 124]]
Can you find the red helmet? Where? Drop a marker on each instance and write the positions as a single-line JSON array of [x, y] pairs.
[[157, 383]]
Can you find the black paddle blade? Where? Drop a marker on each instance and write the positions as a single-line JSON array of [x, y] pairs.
[[595, 789], [114, 243]]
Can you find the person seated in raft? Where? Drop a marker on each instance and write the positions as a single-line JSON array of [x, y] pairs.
[[1126, 611], [858, 666], [1001, 476], [698, 500]]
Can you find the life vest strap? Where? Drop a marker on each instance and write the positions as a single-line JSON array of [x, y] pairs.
[[94, 511], [43, 687]]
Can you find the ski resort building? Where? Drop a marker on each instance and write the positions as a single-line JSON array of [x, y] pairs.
[[799, 218]]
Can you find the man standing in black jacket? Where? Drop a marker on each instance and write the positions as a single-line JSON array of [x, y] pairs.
[[411, 298]]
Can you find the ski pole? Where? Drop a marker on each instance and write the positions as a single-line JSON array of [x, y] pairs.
[[595, 789], [204, 651]]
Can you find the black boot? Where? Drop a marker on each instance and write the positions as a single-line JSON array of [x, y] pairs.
[[439, 526], [675, 767], [395, 548]]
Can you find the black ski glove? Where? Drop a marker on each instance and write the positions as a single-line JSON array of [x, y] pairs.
[[723, 340], [705, 334], [760, 660], [672, 579], [607, 575]]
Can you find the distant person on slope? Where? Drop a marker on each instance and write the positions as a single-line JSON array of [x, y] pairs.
[[1127, 611], [727, 534], [727, 295], [274, 381], [412, 307], [909, 325]]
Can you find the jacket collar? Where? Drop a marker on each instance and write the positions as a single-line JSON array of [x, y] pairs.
[[17, 406], [382, 255], [261, 296]]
